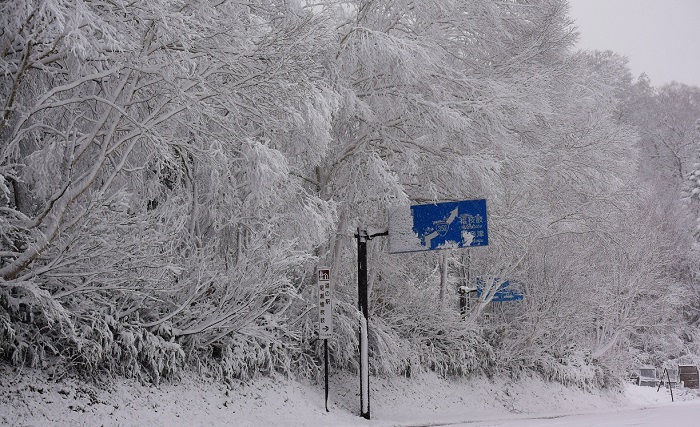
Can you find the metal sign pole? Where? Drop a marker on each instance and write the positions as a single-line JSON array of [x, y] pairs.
[[415, 228], [325, 363], [362, 237], [362, 302]]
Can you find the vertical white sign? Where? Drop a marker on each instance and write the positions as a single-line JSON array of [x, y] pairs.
[[325, 306]]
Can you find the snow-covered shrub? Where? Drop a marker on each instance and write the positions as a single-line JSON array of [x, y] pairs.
[[246, 357], [38, 332], [7, 332], [344, 346], [569, 365], [573, 368], [452, 350], [34, 328], [411, 332], [406, 336], [390, 353]]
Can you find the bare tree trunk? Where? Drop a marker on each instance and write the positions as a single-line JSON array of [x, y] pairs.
[[444, 266]]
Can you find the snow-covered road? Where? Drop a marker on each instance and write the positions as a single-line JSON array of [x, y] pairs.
[[678, 414]]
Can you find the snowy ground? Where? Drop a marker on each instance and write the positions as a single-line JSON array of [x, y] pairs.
[[677, 414], [28, 398]]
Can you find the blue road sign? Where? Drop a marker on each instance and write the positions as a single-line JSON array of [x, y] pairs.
[[445, 225], [460, 224], [506, 291]]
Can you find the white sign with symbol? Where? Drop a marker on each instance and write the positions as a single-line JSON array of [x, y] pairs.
[[325, 307]]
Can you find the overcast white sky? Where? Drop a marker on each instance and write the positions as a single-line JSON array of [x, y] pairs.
[[660, 37]]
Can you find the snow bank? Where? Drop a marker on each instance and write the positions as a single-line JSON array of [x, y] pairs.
[[30, 398]]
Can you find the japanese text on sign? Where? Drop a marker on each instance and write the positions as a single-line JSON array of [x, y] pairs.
[[325, 306]]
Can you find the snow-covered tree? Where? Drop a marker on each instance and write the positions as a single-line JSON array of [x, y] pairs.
[[172, 173], [667, 119], [151, 200]]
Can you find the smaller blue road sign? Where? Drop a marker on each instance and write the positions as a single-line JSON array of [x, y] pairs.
[[507, 291], [446, 225]]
